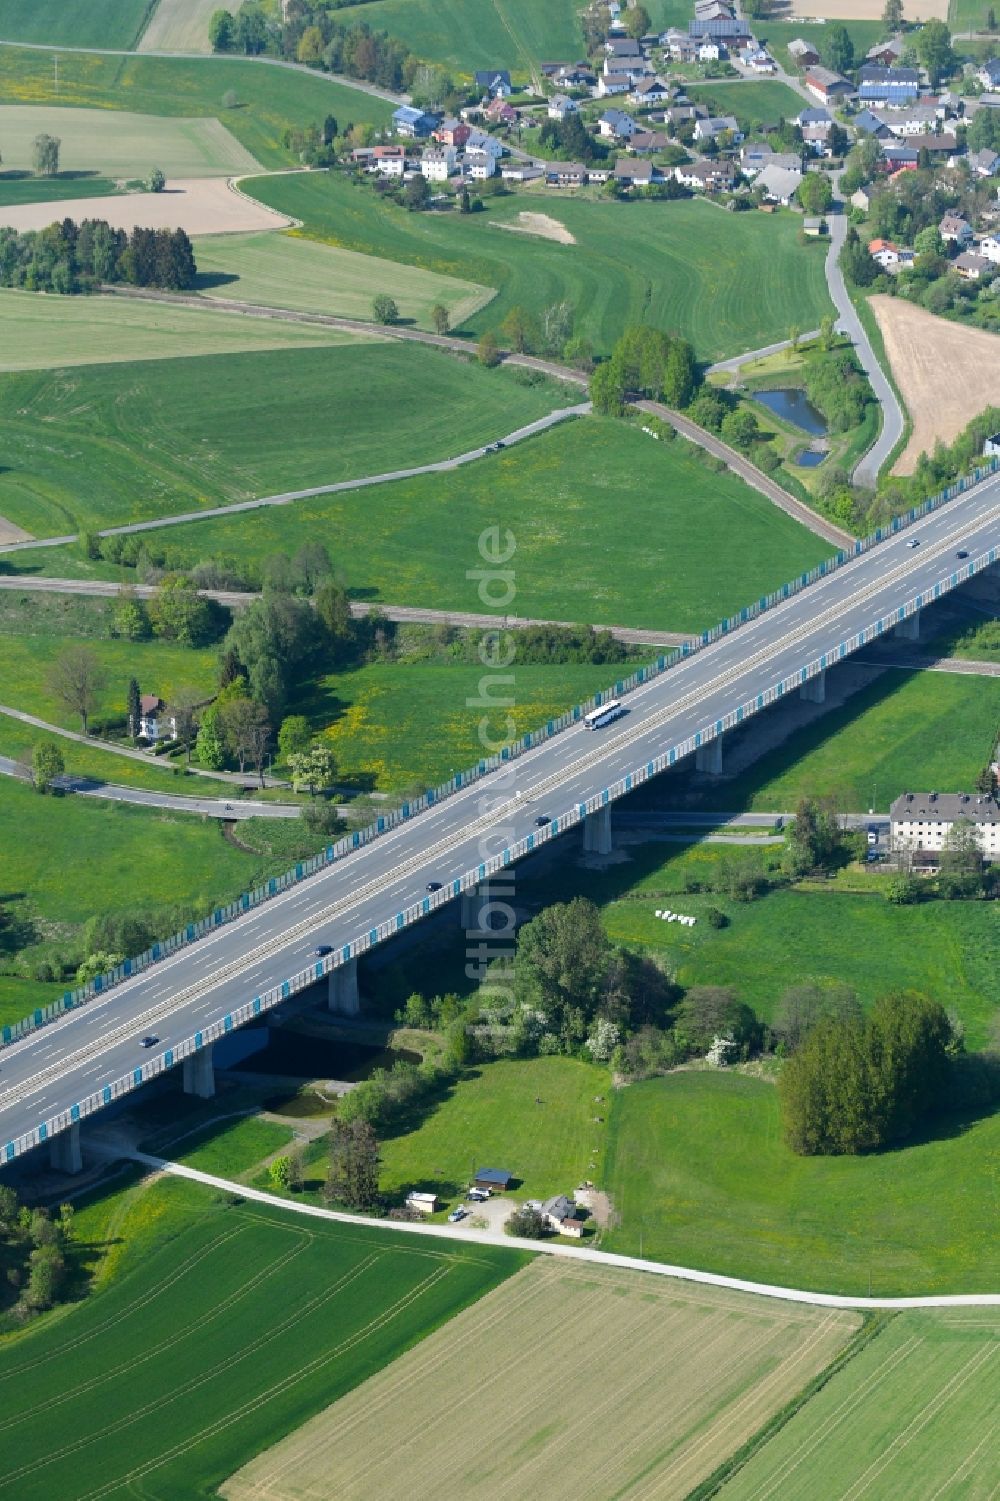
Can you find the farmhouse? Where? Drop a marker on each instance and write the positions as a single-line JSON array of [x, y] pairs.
[[154, 723], [888, 86], [827, 86], [804, 53], [924, 820], [725, 29], [886, 54], [914, 120], [562, 1216]]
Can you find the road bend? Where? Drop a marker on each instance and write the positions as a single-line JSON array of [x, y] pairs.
[[58, 1065]]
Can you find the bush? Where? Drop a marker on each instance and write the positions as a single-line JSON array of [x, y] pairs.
[[527, 1223], [716, 918]]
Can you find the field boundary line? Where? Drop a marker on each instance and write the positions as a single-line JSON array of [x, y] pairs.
[[578, 1254]]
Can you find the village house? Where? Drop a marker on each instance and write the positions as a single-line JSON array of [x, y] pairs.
[[869, 124], [560, 107], [499, 112], [758, 61], [886, 54], [650, 91], [914, 120], [412, 122], [679, 45], [494, 81], [452, 132], [636, 174], [478, 165], [730, 31], [561, 1215], [711, 51], [937, 145], [645, 142], [989, 74], [953, 229], [972, 267], [614, 125], [888, 86], [612, 83], [924, 820], [889, 255], [520, 170], [438, 163], [706, 176], [989, 246], [565, 175], [779, 184], [985, 163], [862, 200], [478, 140], [716, 125], [828, 87], [154, 723], [389, 161]]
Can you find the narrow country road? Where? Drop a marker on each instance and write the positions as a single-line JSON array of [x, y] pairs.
[[866, 471], [738, 360], [545, 1248], [206, 807], [360, 609]]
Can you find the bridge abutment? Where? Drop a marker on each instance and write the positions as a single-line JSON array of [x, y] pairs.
[[199, 1074], [813, 690], [343, 995], [909, 629], [65, 1153], [597, 832], [708, 758]]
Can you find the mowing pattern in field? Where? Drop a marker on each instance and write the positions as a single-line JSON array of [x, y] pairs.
[[285, 271], [217, 1344], [126, 443], [74, 23], [572, 1382], [701, 1176], [513, 34], [52, 333], [178, 26], [728, 283], [914, 1415], [124, 145]]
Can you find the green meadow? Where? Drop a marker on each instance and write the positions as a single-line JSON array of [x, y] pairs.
[[728, 282], [99, 23], [123, 144], [512, 34]]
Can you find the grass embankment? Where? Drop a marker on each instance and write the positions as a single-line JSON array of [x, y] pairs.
[[99, 23], [269, 99], [54, 333], [697, 1167], [580, 493], [214, 1331], [167, 436], [287, 271], [757, 280]]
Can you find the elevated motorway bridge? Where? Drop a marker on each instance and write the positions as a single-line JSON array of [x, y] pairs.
[[64, 1072]]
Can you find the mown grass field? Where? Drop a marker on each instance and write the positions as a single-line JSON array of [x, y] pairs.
[[287, 271], [178, 26], [698, 1169], [230, 1152], [58, 333], [123, 145], [914, 1414], [512, 34], [532, 1116], [269, 99], [575, 499], [131, 442], [776, 35], [756, 281], [685, 1375], [855, 937], [214, 1331], [98, 23], [761, 103], [906, 731], [395, 725]]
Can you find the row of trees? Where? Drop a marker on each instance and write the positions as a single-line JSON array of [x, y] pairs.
[[70, 257], [34, 1247]]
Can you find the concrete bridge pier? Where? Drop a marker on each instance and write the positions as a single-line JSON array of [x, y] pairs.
[[475, 900], [199, 1074], [813, 690], [597, 832], [708, 758], [65, 1153], [909, 629], [343, 993]]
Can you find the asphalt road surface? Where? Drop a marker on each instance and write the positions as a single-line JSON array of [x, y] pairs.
[[65, 1062]]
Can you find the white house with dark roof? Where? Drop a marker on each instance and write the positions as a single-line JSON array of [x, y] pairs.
[[615, 125], [154, 723], [437, 163], [925, 820], [561, 106], [494, 81], [953, 229]]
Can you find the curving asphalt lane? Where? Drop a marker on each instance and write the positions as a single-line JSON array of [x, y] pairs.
[[57, 1066]]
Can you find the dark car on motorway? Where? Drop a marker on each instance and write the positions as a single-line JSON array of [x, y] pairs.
[[322, 949], [434, 885], [149, 1041]]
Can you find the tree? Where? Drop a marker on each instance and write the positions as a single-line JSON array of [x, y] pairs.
[[802, 1007], [156, 181], [607, 391], [211, 743], [739, 428], [838, 49], [354, 1165], [519, 330], [440, 318], [47, 1273], [416, 195], [312, 769], [562, 966], [384, 308], [280, 1173], [183, 710], [47, 763], [827, 332], [333, 609], [239, 717], [294, 737], [45, 155], [815, 193], [134, 709], [330, 131], [526, 1223], [178, 613], [892, 16], [101, 963], [488, 350], [129, 620], [310, 48], [77, 680], [221, 33], [812, 838], [934, 50], [711, 1011], [680, 375]]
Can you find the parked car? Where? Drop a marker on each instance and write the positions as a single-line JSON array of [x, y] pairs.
[[456, 1214], [478, 1195]]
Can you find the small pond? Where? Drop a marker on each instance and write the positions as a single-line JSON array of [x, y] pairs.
[[809, 458], [795, 407]]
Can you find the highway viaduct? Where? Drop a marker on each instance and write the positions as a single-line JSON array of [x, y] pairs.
[[60, 1074]]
